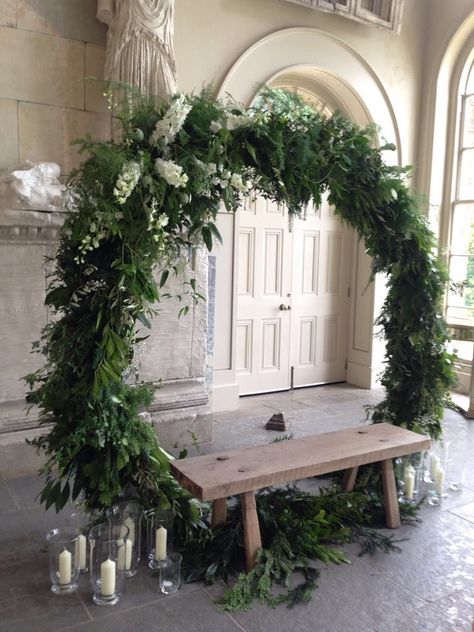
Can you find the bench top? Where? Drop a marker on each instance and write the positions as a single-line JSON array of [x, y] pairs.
[[224, 474]]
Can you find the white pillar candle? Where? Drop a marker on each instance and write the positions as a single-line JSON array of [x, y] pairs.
[[409, 480], [81, 552], [439, 480], [434, 466], [130, 524], [160, 544], [107, 578], [65, 567], [124, 558]]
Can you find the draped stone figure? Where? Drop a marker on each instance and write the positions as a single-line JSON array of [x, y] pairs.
[[140, 50]]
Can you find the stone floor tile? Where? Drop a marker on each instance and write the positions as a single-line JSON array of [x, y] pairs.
[[193, 612], [26, 490], [454, 613], [7, 502], [40, 610], [436, 559], [465, 511], [349, 598]]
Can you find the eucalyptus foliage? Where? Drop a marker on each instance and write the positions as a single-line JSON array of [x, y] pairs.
[[135, 209]]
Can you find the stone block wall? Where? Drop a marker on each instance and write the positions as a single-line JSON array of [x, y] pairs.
[[48, 49]]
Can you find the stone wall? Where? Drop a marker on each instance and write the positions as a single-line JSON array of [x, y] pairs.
[[48, 49]]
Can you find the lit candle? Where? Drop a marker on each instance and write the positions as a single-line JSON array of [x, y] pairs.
[[130, 524], [124, 558], [409, 480], [65, 567], [107, 578], [160, 544], [81, 552], [434, 466], [439, 480]]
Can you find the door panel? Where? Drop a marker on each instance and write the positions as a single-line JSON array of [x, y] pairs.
[[263, 330], [320, 297]]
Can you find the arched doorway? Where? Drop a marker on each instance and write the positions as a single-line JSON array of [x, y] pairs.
[[293, 285], [334, 75]]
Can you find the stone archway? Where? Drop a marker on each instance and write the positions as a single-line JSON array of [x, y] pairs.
[[318, 58]]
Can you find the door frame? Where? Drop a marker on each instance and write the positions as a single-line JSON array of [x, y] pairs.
[[316, 54]]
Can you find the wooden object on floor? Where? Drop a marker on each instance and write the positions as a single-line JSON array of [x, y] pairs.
[[220, 475]]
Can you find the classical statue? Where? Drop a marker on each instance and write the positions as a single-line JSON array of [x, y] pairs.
[[38, 187], [140, 49]]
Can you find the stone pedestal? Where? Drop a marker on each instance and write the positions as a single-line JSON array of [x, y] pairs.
[[175, 354]]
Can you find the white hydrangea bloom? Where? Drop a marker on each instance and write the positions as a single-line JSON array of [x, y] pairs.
[[171, 172], [127, 181], [215, 127], [234, 121], [237, 182], [167, 128]]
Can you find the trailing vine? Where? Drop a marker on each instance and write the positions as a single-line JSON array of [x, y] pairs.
[[138, 205]]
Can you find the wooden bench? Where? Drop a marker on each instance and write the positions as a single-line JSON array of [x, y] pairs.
[[220, 475]]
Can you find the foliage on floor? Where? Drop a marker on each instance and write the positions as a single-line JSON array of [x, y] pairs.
[[136, 209], [298, 529]]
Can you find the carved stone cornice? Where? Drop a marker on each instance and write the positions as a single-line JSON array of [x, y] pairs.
[[18, 226]]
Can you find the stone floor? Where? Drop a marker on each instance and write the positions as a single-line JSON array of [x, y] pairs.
[[427, 587]]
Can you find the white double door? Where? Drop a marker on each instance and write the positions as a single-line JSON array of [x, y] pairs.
[[293, 298]]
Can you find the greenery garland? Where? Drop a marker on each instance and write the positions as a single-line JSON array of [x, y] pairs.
[[135, 208]]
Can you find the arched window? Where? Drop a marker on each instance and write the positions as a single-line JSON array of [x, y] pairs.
[[460, 299]]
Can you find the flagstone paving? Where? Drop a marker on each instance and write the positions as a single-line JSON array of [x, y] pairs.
[[428, 587]]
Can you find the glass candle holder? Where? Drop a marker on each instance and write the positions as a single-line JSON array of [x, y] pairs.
[[80, 520], [170, 574], [63, 560], [129, 516], [412, 475], [107, 550], [159, 524]]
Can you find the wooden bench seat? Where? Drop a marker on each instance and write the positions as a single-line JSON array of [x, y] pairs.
[[220, 475]]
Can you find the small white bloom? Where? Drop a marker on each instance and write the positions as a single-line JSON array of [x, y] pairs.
[[215, 127], [171, 172], [174, 119], [127, 181], [237, 182], [234, 121]]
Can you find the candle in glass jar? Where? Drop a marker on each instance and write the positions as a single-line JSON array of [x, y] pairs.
[[439, 480], [124, 557], [160, 544], [409, 480], [81, 552], [107, 578], [434, 466], [65, 567], [130, 524]]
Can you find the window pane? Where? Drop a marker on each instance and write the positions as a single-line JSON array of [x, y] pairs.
[[461, 288], [462, 348], [470, 81], [380, 8], [466, 185], [468, 138], [462, 237]]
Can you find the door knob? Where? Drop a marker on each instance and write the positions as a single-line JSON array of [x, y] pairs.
[[284, 307]]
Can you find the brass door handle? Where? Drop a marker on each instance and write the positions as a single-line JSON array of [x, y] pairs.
[[284, 308]]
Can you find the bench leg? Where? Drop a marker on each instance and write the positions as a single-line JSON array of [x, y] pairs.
[[219, 512], [252, 537], [392, 511], [349, 479]]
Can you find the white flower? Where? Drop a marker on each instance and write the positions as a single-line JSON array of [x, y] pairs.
[[167, 128], [215, 127], [171, 172], [127, 181], [237, 182], [235, 121], [211, 168]]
